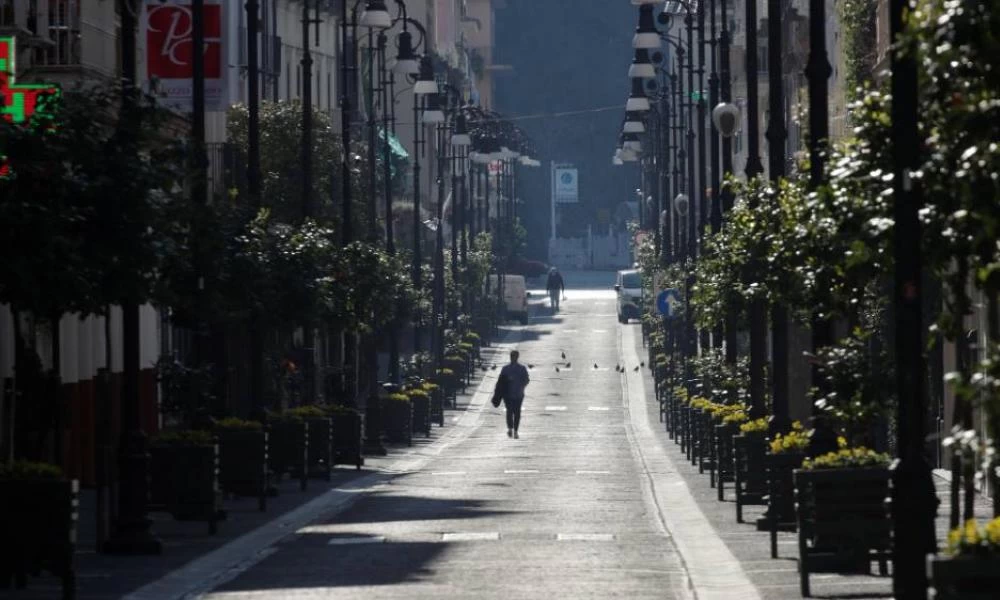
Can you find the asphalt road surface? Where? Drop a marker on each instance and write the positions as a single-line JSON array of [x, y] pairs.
[[563, 512]]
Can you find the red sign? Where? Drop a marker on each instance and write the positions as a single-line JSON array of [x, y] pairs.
[[17, 101], [169, 41]]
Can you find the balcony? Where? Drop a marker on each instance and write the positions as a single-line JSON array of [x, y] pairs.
[[78, 48], [27, 20]]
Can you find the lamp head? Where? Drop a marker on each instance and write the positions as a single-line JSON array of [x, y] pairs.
[[407, 62], [376, 15], [681, 203], [426, 84], [641, 67], [726, 118], [646, 34]]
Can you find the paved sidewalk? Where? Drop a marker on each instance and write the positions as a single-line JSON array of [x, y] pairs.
[[772, 578], [106, 577]]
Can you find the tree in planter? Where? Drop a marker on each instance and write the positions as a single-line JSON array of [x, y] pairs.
[[857, 390], [958, 109], [93, 215]]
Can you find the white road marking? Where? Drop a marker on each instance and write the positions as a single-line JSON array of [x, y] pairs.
[[520, 471], [593, 472], [470, 536], [598, 408], [350, 541], [585, 537], [448, 473], [555, 408], [599, 330]]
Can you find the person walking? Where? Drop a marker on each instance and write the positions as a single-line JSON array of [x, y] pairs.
[[556, 287], [510, 385]]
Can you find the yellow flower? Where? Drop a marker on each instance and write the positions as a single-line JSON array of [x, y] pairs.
[[971, 532], [992, 531], [841, 441]]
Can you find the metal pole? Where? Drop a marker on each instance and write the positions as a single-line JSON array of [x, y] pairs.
[[725, 195], [385, 83], [758, 311], [818, 71], [131, 533], [346, 68], [913, 499], [417, 225], [370, 108], [253, 192], [776, 135], [306, 149]]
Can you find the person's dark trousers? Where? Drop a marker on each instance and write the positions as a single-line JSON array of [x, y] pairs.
[[513, 412]]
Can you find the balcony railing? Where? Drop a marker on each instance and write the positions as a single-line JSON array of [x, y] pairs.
[[77, 42]]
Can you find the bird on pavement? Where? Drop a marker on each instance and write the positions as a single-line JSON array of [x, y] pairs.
[[569, 365], [635, 370], [531, 366], [557, 368], [618, 368], [484, 368], [564, 355], [493, 368], [642, 364], [595, 365]]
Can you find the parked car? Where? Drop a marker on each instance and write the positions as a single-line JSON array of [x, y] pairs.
[[628, 286], [515, 295]]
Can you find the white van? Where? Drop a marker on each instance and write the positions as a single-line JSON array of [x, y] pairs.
[[515, 295], [628, 286]]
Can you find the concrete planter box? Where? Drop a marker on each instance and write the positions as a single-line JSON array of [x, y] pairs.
[[843, 520], [397, 421], [749, 474], [346, 428], [243, 464], [38, 520], [288, 450], [184, 481], [964, 577]]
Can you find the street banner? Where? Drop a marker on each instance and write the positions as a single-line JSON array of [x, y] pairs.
[[566, 185], [167, 30]]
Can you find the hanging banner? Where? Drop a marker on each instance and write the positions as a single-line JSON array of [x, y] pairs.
[[566, 185], [167, 29]]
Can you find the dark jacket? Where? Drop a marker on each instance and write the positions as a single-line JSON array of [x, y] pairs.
[[555, 282], [515, 378]]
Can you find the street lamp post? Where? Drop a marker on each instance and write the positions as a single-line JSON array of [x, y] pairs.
[[758, 310], [131, 533], [913, 497], [776, 135]]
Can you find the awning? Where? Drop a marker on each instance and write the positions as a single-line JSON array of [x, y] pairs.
[[394, 145]]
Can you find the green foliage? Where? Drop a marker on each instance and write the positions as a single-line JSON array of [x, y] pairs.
[[307, 412], [857, 385], [338, 409], [185, 391], [398, 398], [183, 437], [755, 426], [720, 380], [847, 458], [973, 540], [418, 393], [858, 20], [281, 157], [94, 214], [24, 470], [237, 424]]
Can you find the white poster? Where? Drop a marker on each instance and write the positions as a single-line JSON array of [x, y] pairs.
[[566, 185], [167, 30]]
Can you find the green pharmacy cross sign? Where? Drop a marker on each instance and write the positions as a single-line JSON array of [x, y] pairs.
[[18, 102]]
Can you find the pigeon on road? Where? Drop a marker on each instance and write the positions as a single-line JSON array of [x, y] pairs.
[[557, 368], [595, 365], [564, 355], [531, 366], [635, 370], [493, 368], [569, 365]]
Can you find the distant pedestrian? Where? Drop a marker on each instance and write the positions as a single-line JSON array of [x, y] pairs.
[[555, 286], [511, 383]]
